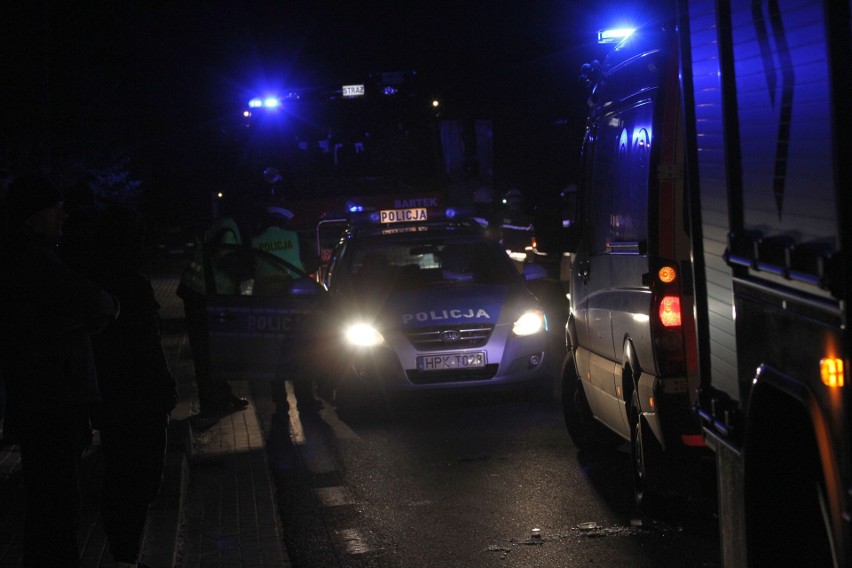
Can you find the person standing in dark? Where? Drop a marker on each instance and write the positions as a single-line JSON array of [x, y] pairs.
[[273, 236], [215, 398], [138, 391], [49, 315]]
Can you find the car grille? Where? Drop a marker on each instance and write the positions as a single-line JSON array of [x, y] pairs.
[[436, 338], [451, 375]]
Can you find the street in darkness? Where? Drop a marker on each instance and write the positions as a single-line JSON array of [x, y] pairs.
[[457, 481]]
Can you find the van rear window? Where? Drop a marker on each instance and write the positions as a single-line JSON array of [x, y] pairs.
[[619, 200]]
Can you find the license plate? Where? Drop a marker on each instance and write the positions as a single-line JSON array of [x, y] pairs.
[[403, 215], [444, 361]]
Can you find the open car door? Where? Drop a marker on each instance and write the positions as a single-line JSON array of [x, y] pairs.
[[259, 314]]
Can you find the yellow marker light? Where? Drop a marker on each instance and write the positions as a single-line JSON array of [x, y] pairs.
[[667, 274], [831, 371]]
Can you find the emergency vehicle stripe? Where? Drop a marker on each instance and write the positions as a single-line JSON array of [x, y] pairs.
[[665, 209]]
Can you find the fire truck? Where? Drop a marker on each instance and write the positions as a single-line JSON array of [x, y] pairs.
[[766, 88]]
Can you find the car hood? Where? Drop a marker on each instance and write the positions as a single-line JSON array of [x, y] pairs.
[[489, 304], [440, 306]]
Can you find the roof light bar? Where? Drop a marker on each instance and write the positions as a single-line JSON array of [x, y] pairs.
[[268, 102], [614, 35]]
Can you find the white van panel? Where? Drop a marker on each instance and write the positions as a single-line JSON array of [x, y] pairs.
[[603, 398]]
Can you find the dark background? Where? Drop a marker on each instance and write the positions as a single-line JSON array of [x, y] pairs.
[[150, 92]]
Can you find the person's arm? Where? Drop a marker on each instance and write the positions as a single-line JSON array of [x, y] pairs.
[[76, 299]]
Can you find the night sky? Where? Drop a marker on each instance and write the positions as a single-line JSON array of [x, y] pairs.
[[162, 82]]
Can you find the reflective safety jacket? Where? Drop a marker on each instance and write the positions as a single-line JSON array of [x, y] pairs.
[[223, 231], [281, 243]]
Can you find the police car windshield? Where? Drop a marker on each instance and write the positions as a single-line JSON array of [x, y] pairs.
[[420, 264]]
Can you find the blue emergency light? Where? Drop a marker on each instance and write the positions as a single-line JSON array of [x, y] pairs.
[[268, 102], [614, 35]]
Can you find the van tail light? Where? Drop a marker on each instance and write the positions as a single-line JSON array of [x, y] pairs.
[[670, 311], [667, 326]]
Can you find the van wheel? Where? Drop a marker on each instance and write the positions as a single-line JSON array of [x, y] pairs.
[[647, 460], [587, 433]]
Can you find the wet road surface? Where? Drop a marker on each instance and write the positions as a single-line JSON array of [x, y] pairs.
[[469, 482]]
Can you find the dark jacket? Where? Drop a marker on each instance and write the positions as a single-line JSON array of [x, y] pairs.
[[48, 314], [133, 373]]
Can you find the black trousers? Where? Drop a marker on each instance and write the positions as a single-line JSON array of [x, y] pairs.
[[211, 394], [134, 449], [52, 442]]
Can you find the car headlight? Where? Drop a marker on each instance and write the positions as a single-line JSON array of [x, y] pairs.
[[530, 322], [363, 335]]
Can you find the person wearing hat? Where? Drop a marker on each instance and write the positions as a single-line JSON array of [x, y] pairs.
[[46, 360], [274, 236]]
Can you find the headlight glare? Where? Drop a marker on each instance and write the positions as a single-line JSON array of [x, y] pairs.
[[530, 322], [363, 335]]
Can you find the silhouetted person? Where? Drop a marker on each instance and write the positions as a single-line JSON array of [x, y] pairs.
[[137, 388], [49, 314], [215, 398], [77, 246]]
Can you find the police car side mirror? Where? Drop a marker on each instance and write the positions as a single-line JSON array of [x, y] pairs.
[[533, 271], [304, 287]]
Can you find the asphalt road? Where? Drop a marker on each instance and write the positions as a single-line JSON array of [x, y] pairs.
[[465, 482]]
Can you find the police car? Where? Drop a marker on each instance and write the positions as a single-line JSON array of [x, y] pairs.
[[422, 301]]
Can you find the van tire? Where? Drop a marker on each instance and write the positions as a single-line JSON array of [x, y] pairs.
[[647, 460], [586, 432]]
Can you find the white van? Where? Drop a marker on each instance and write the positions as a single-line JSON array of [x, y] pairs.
[[630, 373]]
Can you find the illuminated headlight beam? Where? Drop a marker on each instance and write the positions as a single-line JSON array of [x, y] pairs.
[[530, 322], [363, 335]]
